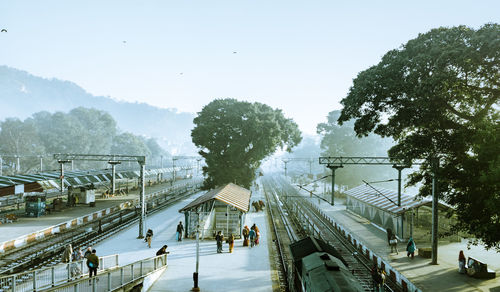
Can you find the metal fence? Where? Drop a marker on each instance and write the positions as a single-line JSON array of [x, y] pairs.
[[44, 278], [113, 279]]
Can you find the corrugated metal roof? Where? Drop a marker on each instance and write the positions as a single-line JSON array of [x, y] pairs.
[[368, 195], [230, 194]]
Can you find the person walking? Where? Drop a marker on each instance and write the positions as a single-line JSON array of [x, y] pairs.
[[394, 243], [389, 235], [149, 237], [230, 240], [411, 247], [219, 238], [245, 233], [375, 278], [92, 264], [180, 229], [461, 262], [252, 235]]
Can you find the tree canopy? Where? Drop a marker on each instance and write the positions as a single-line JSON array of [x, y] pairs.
[[235, 136], [438, 96], [341, 140], [82, 130]]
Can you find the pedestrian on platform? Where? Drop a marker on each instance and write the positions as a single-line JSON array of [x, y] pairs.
[[251, 235], [382, 279], [68, 252], [219, 238], [92, 264], [230, 240], [394, 243], [411, 247], [77, 256], [461, 262], [87, 252], [180, 229], [376, 279], [245, 233], [162, 251], [149, 237], [257, 233], [389, 235]]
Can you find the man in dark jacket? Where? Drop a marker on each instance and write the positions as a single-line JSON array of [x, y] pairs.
[[219, 238], [180, 229], [93, 264]]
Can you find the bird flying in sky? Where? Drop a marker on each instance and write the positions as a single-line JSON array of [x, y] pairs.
[[3, 30]]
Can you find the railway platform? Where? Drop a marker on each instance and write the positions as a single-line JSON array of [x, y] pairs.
[[427, 277], [245, 269]]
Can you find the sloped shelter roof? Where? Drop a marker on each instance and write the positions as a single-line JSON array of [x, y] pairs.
[[230, 194], [385, 199]]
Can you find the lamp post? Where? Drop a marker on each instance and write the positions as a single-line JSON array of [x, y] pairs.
[[195, 274]]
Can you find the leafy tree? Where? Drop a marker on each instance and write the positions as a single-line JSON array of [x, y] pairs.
[[100, 128], [438, 95], [129, 144], [341, 140], [234, 137], [20, 138]]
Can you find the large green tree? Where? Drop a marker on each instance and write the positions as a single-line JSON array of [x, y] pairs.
[[341, 140], [235, 136], [438, 95]]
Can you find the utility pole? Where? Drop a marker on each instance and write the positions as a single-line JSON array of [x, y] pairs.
[[113, 174], [435, 196], [333, 168], [285, 161]]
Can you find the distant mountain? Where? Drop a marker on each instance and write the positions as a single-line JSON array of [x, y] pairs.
[[22, 94]]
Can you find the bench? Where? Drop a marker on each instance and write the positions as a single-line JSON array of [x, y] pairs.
[[478, 269]]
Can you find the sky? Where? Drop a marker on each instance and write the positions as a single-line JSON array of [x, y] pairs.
[[299, 56]]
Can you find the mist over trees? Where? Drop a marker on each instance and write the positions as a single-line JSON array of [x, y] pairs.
[[438, 96], [341, 140], [82, 130], [234, 137]]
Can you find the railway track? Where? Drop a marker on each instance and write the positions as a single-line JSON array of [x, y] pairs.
[[307, 219], [48, 252]]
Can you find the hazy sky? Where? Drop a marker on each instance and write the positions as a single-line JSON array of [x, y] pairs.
[[300, 56]]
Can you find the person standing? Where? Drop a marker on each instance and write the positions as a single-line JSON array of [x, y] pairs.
[[68, 252], [411, 247], [394, 243], [92, 264], [230, 240], [180, 229], [245, 233], [162, 251], [252, 235], [149, 237], [77, 255], [461, 262], [87, 252], [219, 238]]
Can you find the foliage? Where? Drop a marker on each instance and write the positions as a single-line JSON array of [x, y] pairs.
[[82, 130], [341, 140], [438, 95], [234, 137]]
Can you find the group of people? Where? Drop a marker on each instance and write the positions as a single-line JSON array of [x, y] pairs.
[[250, 237], [393, 243], [258, 205], [73, 256]]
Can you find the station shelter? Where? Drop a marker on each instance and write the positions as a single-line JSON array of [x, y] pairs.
[[221, 209], [412, 218]]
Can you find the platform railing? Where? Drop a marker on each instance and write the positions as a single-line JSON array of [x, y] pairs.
[[113, 279], [45, 278]]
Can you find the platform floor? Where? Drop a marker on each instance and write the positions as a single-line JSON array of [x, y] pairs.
[[427, 277], [246, 269]]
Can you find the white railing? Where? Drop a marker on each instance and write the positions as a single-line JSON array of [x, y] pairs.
[[44, 278], [114, 279]]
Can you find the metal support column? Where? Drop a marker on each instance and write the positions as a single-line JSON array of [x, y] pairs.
[[285, 162], [399, 169], [1, 166], [62, 162], [113, 175], [18, 166], [435, 196], [142, 198], [41, 163], [333, 168]]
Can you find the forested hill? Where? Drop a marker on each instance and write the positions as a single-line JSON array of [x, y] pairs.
[[22, 94]]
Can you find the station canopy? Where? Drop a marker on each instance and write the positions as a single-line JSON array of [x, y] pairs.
[[39, 182], [386, 202], [230, 194]]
